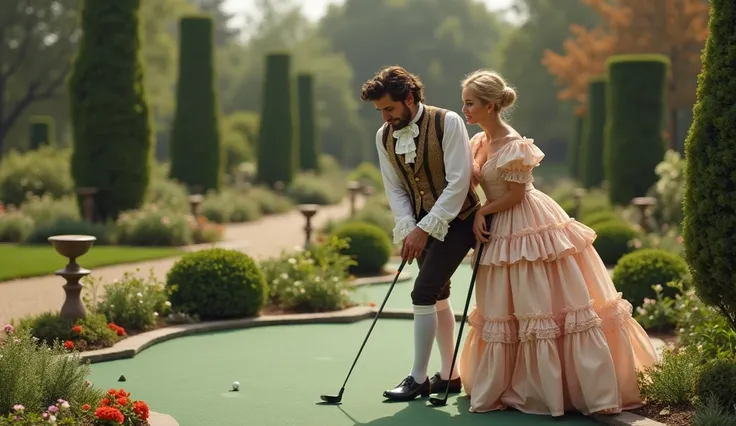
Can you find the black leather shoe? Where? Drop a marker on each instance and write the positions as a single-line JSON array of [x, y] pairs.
[[408, 389], [438, 385]]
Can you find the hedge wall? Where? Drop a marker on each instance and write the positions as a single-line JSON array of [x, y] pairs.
[[308, 149], [591, 151]]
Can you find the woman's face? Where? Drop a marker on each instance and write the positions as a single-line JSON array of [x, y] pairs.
[[473, 108]]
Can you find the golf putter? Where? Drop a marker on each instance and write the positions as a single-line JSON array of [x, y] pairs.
[[439, 402], [336, 399]]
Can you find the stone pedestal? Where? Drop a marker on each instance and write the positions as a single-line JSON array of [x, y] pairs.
[[72, 247], [308, 210]]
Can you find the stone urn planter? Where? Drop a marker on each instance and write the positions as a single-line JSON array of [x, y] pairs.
[[72, 247]]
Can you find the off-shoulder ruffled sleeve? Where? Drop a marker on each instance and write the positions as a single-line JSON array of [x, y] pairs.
[[517, 159]]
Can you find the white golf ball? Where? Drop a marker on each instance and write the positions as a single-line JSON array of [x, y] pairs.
[[236, 385]]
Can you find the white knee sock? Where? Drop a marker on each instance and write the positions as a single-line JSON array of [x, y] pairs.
[[425, 329], [446, 338]]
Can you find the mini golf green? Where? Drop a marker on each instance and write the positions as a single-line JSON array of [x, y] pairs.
[[283, 370], [401, 294]]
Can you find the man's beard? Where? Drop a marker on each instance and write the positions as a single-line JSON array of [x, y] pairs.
[[405, 118]]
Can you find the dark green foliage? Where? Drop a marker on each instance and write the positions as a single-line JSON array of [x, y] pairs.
[[590, 161], [573, 149], [110, 114], [709, 227], [593, 219], [636, 273], [613, 240], [718, 379], [42, 132], [277, 159], [308, 149], [370, 247], [41, 234], [636, 108], [217, 284], [195, 149]]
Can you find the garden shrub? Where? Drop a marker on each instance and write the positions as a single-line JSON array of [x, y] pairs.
[[112, 129], [613, 240], [36, 375], [372, 212], [42, 132], [709, 226], [636, 273], [40, 234], [308, 140], [217, 284], [44, 171], [91, 332], [710, 413], [595, 218], [590, 160], [168, 194], [314, 280], [268, 201], [672, 380], [228, 206], [277, 156], [14, 226], [668, 190], [718, 378], [369, 246], [45, 210], [573, 150], [195, 147], [308, 188], [367, 174], [634, 139], [151, 226]]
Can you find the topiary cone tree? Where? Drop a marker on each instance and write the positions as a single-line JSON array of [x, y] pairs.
[[41, 132], [573, 150], [277, 159], [195, 150], [709, 200], [636, 107], [308, 149], [110, 114], [591, 149]]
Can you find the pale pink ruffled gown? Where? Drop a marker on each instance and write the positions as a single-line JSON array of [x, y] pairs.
[[549, 333]]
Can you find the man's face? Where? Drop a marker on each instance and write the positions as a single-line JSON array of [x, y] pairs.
[[395, 113]]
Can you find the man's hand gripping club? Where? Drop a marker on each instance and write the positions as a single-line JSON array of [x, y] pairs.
[[414, 244]]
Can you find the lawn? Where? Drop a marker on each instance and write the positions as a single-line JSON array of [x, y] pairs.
[[21, 261]]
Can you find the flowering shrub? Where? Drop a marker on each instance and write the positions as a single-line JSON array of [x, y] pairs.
[[132, 302], [15, 226], [657, 314], [92, 332], [310, 281], [153, 225]]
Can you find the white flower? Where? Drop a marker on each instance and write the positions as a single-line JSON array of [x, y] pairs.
[[155, 314], [292, 261], [284, 276], [297, 283], [317, 279], [139, 294], [168, 304], [658, 287]]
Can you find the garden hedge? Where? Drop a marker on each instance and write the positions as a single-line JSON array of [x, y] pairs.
[[308, 149], [573, 150], [709, 227], [42, 132], [636, 110], [590, 161], [195, 149], [277, 155], [109, 107]]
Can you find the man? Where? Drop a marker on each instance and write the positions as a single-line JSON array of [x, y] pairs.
[[426, 164]]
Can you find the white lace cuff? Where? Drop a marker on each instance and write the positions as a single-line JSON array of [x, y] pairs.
[[435, 226], [403, 228]]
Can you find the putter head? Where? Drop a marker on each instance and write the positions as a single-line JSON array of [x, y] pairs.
[[438, 402], [333, 399]]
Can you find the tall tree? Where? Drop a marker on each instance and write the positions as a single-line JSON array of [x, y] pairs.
[[37, 39], [109, 108], [674, 28], [308, 140], [709, 204]]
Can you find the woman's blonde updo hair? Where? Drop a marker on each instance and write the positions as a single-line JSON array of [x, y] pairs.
[[490, 88]]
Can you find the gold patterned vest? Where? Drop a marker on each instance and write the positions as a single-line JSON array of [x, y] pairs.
[[424, 180]]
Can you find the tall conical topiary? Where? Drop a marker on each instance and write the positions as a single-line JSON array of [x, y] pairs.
[[709, 200], [277, 159], [590, 167], [195, 149], [110, 115], [42, 132], [636, 110], [573, 149], [308, 148]]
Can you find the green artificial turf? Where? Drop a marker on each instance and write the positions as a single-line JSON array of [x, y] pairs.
[[283, 370]]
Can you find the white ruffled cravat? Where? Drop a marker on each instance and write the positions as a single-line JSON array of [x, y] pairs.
[[405, 142]]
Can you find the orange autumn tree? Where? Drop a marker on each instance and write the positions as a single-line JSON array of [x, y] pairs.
[[675, 28]]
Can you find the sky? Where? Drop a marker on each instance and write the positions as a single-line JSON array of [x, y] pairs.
[[317, 8]]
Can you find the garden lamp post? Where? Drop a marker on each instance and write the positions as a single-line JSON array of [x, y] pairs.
[[354, 187], [643, 203], [194, 201], [308, 210], [88, 202]]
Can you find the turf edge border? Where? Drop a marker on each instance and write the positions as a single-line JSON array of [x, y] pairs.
[[159, 419]]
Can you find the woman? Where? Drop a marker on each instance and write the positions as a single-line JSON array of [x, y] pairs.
[[549, 333]]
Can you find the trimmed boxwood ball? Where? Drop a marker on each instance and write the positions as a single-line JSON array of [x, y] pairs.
[[613, 240], [370, 247], [637, 272], [217, 284], [717, 380]]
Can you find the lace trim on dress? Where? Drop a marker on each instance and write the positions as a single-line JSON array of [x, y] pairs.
[[518, 176], [403, 228], [496, 330], [435, 226]]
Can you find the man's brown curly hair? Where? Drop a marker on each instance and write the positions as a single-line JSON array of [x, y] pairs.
[[394, 81]]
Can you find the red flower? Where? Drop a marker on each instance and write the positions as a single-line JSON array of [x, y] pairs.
[[120, 331], [77, 329], [122, 394], [122, 400], [86, 407], [69, 344], [110, 414], [140, 409]]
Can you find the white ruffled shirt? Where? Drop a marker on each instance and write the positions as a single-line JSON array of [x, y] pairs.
[[458, 160]]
